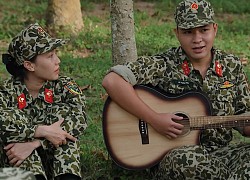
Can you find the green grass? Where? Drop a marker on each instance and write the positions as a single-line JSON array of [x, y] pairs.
[[88, 57]]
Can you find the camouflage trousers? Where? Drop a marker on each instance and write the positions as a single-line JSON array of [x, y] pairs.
[[195, 162], [53, 162], [15, 174]]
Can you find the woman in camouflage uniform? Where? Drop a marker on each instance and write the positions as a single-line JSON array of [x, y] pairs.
[[42, 114], [194, 66]]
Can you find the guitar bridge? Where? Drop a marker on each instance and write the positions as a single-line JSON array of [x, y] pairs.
[[143, 128]]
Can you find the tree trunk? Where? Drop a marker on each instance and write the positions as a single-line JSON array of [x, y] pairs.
[[122, 30], [66, 14]]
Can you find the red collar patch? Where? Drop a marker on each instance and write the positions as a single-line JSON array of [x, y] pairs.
[[218, 68], [21, 101], [185, 68], [48, 95]]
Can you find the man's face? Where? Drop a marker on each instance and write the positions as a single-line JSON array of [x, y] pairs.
[[197, 42]]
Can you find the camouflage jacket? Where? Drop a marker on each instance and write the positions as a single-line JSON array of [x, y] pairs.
[[15, 174], [20, 113], [225, 83]]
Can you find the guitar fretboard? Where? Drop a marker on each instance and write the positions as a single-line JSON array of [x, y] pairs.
[[207, 122]]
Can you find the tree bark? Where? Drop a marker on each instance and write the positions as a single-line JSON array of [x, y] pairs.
[[66, 14], [122, 30]]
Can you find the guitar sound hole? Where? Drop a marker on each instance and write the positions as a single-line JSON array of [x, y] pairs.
[[185, 122]]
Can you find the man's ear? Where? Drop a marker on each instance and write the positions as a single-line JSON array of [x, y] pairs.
[[176, 32], [215, 26], [28, 65]]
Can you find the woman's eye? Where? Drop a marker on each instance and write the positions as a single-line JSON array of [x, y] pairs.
[[186, 32], [51, 55]]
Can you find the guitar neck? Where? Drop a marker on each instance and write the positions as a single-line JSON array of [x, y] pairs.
[[208, 122]]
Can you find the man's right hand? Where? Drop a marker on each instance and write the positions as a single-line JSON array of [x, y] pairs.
[[164, 124]]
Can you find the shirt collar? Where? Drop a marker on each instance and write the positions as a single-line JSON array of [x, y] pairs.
[[22, 89], [215, 65]]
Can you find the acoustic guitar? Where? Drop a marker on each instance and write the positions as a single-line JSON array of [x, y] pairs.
[[134, 144]]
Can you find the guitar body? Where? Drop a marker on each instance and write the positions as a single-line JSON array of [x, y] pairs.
[[122, 134]]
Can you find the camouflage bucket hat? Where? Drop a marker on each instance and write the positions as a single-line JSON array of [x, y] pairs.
[[193, 13], [32, 41]]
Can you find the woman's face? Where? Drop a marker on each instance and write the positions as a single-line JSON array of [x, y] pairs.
[[46, 66]]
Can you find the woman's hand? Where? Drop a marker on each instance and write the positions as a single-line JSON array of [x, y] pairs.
[[54, 133], [18, 152]]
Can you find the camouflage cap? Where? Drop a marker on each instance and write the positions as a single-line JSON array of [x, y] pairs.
[[32, 41], [193, 13]]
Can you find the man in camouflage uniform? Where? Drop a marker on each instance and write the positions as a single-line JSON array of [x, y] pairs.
[[194, 66], [46, 122]]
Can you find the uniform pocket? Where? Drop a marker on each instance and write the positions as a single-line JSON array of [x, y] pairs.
[[223, 101]]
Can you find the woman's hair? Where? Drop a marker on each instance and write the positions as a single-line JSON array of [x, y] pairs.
[[17, 70]]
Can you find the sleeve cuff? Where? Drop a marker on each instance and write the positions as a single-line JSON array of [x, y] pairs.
[[125, 73]]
